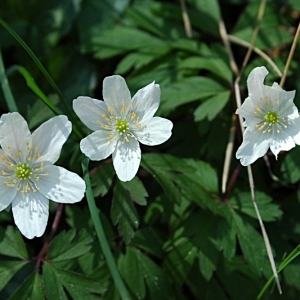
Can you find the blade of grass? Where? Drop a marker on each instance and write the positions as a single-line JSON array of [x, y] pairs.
[[9, 98], [101, 234], [295, 253], [33, 86], [46, 74]]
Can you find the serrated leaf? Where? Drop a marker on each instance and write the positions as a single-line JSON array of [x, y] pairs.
[[291, 165], [202, 237], [79, 286], [269, 211], [149, 240], [102, 180], [253, 246], [8, 269], [213, 64], [180, 259], [53, 288], [31, 289], [226, 239], [12, 243], [124, 213], [68, 245], [165, 168], [145, 270], [188, 90], [211, 106], [130, 270], [136, 190]]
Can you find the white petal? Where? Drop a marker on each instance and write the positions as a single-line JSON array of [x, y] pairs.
[[14, 134], [155, 132], [146, 101], [90, 111], [30, 213], [50, 137], [116, 95], [97, 145], [247, 111], [126, 159], [281, 142], [294, 129], [7, 194], [255, 145], [61, 185], [255, 83]]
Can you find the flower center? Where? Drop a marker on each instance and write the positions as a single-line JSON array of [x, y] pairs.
[[23, 171], [121, 126], [271, 117]]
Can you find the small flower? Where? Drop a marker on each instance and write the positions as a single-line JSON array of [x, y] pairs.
[[120, 123], [271, 118], [28, 177]]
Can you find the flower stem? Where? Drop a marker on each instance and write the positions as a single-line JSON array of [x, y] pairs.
[[9, 98], [101, 234], [46, 245], [293, 48]]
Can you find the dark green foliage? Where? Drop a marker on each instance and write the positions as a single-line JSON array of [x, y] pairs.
[[172, 232]]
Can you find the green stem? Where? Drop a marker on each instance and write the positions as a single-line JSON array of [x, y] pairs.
[[45, 73], [9, 98], [100, 233]]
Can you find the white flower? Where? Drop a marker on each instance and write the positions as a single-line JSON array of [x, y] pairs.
[[28, 177], [120, 123], [271, 118]]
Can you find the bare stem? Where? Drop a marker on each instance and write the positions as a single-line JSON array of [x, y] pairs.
[[291, 54], [186, 20]]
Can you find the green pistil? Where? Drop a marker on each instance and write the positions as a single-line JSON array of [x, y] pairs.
[[122, 126], [271, 117], [23, 171]]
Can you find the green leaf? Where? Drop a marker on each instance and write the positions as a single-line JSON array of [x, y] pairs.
[[124, 213], [33, 86], [131, 271], [53, 288], [211, 63], [79, 286], [212, 106], [164, 168], [68, 245], [269, 211], [31, 288], [8, 269], [188, 90], [149, 240], [102, 179], [291, 166], [12, 243], [138, 269], [252, 245], [115, 42], [136, 190], [179, 260], [202, 238]]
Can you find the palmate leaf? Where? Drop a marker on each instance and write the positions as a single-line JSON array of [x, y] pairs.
[[8, 269], [12, 243], [211, 106], [59, 283], [188, 90], [139, 270], [31, 288], [123, 212], [69, 245], [269, 211], [164, 167]]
